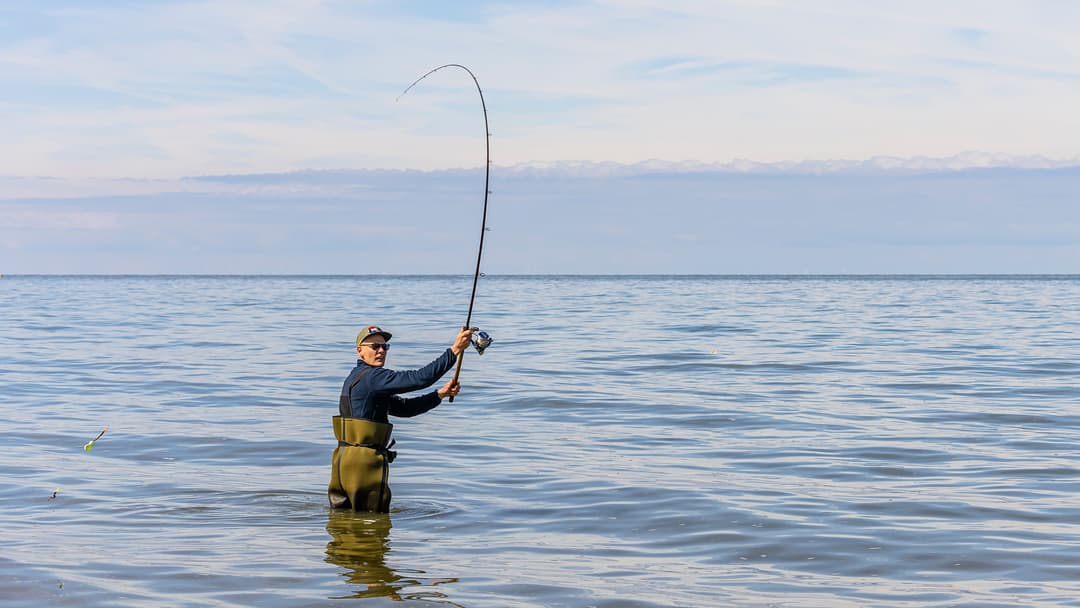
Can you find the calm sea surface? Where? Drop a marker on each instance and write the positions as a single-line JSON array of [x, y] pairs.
[[626, 441]]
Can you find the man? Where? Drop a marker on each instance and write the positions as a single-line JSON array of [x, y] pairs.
[[360, 473]]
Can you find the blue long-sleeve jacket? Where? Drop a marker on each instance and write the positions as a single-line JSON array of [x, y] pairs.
[[375, 395]]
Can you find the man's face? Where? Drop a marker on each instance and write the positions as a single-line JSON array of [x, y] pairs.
[[373, 351]]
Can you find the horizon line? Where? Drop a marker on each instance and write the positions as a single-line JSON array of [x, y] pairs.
[[552, 275]]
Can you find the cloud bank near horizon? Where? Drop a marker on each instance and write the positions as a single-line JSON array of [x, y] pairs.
[[329, 181], [982, 220]]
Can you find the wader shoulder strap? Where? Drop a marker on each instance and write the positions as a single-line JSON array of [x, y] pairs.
[[345, 401]]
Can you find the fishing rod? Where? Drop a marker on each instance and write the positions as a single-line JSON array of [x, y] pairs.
[[482, 340]]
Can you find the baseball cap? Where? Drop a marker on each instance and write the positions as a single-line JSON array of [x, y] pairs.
[[371, 330]]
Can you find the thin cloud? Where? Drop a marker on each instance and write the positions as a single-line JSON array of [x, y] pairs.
[[58, 220], [749, 73]]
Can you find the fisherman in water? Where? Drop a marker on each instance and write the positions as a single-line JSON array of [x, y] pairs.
[[360, 474]]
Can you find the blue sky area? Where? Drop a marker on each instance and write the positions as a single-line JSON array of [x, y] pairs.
[[630, 136]]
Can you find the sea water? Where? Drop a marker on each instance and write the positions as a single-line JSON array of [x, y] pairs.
[[625, 441]]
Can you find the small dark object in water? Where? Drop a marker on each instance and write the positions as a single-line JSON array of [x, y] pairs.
[[481, 340], [54, 493]]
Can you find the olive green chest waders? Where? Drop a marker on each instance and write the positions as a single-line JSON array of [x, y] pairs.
[[360, 466]]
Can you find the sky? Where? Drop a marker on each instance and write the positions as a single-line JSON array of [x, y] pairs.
[[123, 115]]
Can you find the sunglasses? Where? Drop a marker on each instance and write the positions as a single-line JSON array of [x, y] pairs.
[[376, 345]]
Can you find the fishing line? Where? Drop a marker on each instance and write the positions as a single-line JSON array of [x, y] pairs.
[[482, 340]]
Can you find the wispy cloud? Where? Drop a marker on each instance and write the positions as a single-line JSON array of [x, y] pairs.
[[749, 73], [65, 220], [1015, 71]]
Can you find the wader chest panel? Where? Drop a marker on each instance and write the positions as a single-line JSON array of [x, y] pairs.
[[360, 466]]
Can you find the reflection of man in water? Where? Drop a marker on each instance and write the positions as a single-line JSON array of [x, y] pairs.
[[359, 543]]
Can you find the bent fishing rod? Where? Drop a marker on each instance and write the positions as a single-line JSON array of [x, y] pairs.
[[482, 339]]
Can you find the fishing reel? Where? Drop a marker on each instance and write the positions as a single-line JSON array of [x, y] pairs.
[[481, 340]]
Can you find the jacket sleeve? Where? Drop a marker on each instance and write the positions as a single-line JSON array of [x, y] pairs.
[[407, 407], [382, 380]]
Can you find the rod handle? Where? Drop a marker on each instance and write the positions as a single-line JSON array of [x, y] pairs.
[[457, 371]]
